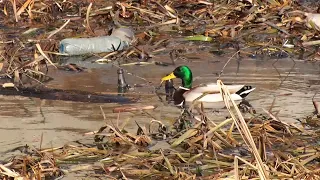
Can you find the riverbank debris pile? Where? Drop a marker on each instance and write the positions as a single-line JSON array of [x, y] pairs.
[[273, 29]]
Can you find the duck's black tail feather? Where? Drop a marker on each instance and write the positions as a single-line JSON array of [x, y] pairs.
[[245, 90]]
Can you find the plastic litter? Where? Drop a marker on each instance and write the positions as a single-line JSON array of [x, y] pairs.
[[313, 20], [118, 40]]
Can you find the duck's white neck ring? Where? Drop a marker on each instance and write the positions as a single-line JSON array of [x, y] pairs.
[[180, 87]]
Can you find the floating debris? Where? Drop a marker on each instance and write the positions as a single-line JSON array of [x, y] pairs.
[[118, 40], [198, 38]]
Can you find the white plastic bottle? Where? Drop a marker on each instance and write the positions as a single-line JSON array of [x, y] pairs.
[[118, 40]]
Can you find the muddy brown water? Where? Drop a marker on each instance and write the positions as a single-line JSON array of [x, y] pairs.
[[25, 120]]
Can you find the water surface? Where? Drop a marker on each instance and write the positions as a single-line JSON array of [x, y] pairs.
[[24, 120]]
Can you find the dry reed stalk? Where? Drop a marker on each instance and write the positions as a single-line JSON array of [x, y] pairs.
[[243, 128], [14, 5], [44, 55], [189, 133], [24, 6], [212, 130], [142, 10], [57, 30], [6, 171], [87, 19], [29, 10], [169, 166]]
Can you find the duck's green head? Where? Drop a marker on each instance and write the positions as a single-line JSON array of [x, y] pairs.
[[182, 72]]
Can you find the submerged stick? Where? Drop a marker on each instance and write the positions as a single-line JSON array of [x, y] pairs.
[[276, 27], [225, 65], [132, 108], [316, 106]]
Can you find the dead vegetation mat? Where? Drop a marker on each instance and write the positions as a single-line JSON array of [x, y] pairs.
[[32, 29]]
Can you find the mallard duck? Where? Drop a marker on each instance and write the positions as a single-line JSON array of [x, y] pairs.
[[185, 94]]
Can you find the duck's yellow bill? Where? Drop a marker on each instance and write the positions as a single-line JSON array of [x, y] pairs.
[[170, 76]]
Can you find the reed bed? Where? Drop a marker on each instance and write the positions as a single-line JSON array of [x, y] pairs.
[[255, 29]]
